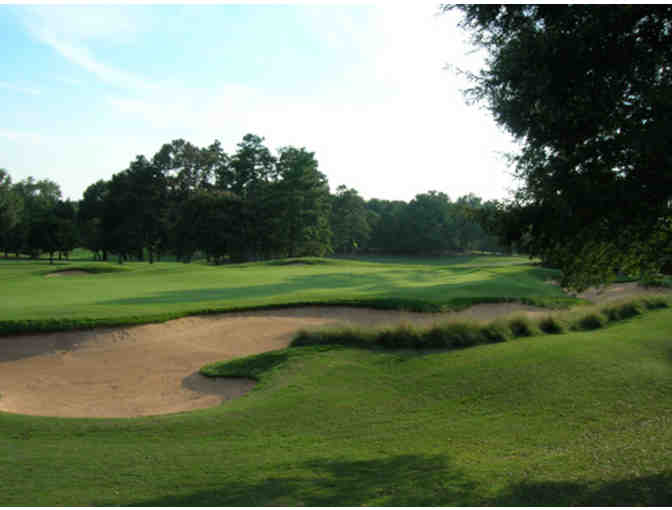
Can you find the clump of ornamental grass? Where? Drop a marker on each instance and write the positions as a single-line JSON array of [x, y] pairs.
[[521, 327], [551, 325], [589, 322]]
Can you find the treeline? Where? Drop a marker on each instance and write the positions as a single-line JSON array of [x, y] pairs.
[[252, 205]]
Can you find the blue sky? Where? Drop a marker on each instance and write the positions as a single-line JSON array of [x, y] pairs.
[[84, 89]]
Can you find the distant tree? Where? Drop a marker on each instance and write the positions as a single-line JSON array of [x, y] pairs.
[[301, 199], [66, 232], [349, 221], [387, 220], [588, 91], [39, 198], [11, 208], [428, 224], [90, 218], [252, 163], [209, 222]]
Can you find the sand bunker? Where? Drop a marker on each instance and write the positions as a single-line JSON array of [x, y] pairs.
[[617, 291], [153, 369], [69, 272]]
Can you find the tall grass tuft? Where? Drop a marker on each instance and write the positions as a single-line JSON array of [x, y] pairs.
[[497, 331], [551, 325], [654, 303], [589, 322], [521, 326], [456, 335], [623, 311]]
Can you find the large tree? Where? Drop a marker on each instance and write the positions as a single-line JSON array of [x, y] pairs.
[[588, 92], [39, 198], [349, 221], [302, 204], [90, 218]]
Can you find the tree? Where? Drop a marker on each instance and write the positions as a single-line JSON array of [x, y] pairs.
[[301, 202], [386, 218], [429, 224], [11, 208], [588, 92], [209, 221], [90, 218], [349, 221], [65, 214], [32, 233]]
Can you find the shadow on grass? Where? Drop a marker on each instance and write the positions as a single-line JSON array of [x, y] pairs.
[[370, 282], [383, 286], [443, 260], [653, 490], [398, 481], [225, 388], [414, 480]]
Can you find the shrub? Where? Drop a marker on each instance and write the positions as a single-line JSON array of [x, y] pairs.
[[590, 322], [462, 335], [435, 337], [521, 326], [623, 311], [400, 337], [655, 303], [496, 332], [551, 325]]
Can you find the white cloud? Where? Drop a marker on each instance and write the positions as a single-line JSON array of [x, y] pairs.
[[84, 58], [391, 130], [68, 30]]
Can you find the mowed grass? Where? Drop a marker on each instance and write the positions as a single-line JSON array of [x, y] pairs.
[[581, 418], [138, 291]]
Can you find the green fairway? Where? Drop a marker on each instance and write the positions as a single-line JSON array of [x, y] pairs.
[[571, 419], [137, 292]]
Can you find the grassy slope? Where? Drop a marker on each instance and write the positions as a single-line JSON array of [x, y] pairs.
[[572, 419], [147, 291]]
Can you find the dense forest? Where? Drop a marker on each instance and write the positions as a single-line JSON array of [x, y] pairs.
[[252, 205]]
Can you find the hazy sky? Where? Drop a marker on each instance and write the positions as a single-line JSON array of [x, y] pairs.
[[84, 89]]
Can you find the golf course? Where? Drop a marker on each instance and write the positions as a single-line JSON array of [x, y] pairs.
[[398, 381], [336, 255]]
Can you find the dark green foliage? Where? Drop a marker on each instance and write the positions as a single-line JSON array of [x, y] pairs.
[[655, 303], [590, 322], [551, 325], [588, 90], [301, 205], [623, 311], [350, 221], [521, 326], [403, 336], [497, 331]]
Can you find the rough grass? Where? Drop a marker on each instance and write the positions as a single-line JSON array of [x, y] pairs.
[[466, 334]]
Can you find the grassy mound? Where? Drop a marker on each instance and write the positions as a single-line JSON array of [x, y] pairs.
[[140, 292], [576, 419], [466, 334]]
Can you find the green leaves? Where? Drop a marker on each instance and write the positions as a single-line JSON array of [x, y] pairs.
[[588, 90]]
